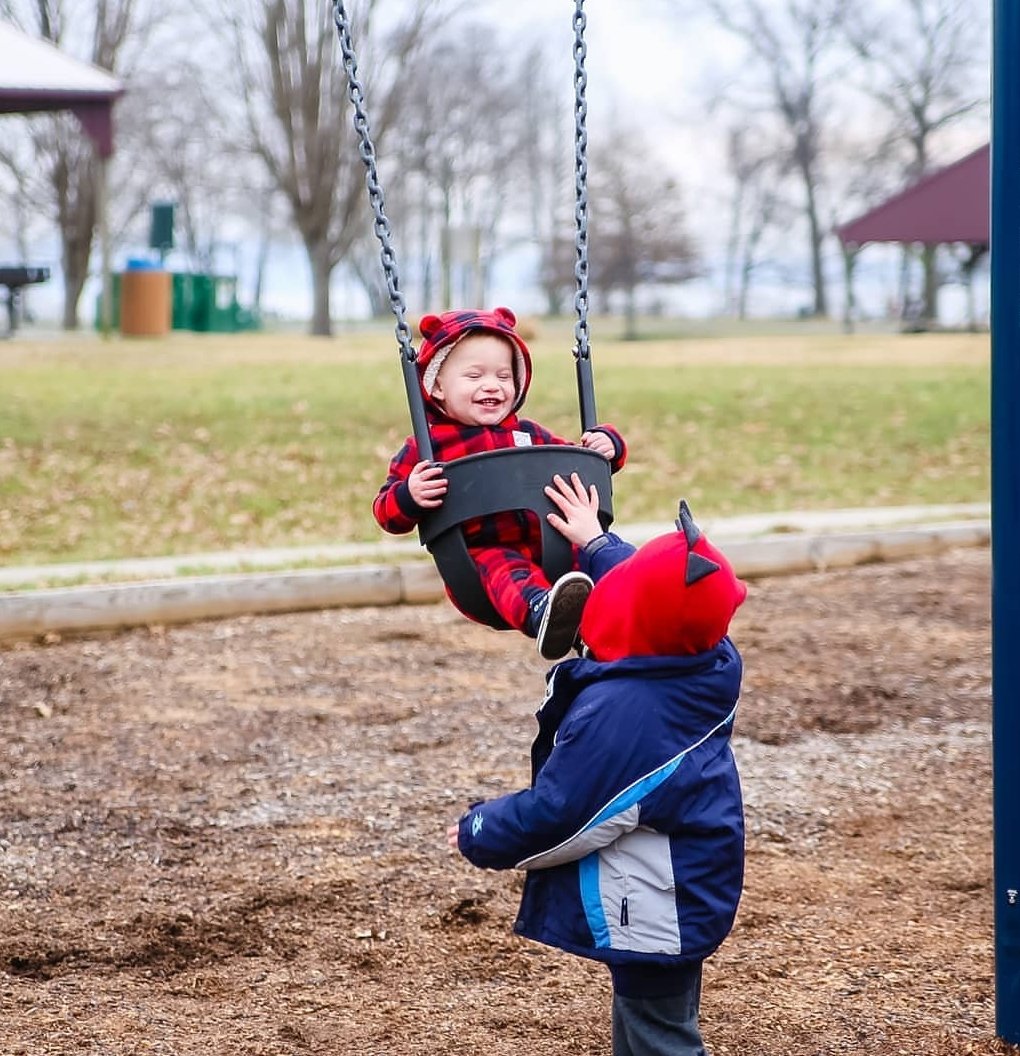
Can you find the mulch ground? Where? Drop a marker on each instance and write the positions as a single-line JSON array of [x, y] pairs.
[[227, 838]]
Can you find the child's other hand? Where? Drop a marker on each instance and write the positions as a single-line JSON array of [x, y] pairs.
[[452, 832], [600, 443], [580, 509], [427, 485]]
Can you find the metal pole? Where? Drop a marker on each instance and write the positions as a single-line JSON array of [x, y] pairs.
[[1005, 381]]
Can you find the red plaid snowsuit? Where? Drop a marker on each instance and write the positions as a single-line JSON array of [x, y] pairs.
[[506, 546]]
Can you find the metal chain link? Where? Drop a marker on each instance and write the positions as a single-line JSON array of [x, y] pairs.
[[582, 349], [383, 231]]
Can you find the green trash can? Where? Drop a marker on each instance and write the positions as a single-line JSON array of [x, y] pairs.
[[223, 308], [183, 300], [208, 303], [114, 304], [180, 292], [192, 294], [202, 301]]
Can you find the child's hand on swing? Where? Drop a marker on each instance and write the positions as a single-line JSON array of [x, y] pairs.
[[578, 519], [599, 442], [427, 485]]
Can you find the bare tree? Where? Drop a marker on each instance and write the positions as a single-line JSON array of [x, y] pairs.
[[925, 64], [463, 145], [298, 120], [558, 257], [791, 44], [181, 149], [488, 152], [18, 220], [866, 171], [755, 207], [548, 152], [639, 229]]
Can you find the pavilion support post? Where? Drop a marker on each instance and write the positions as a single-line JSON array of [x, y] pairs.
[[850, 252], [102, 221], [1005, 268], [930, 272]]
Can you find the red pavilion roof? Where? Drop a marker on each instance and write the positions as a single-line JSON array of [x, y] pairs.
[[950, 205]]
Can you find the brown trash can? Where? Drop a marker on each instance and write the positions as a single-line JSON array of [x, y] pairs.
[[145, 302]]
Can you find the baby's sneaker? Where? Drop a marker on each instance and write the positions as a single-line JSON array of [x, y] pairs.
[[561, 619]]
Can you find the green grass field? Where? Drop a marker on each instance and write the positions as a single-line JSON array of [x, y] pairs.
[[206, 442]]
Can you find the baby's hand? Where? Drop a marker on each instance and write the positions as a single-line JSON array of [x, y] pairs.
[[427, 485], [600, 443], [452, 837]]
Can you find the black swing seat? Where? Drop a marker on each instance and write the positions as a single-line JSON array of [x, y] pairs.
[[495, 481]]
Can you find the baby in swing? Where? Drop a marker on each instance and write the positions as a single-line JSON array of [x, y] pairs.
[[475, 370]]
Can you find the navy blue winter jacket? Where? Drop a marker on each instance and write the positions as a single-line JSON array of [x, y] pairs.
[[632, 832]]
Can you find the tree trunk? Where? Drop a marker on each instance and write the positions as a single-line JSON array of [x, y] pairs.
[[75, 186], [733, 302], [630, 315], [261, 263], [477, 271], [424, 255], [72, 294], [77, 247], [747, 264], [821, 305], [446, 252], [744, 289], [322, 269], [974, 255], [971, 307]]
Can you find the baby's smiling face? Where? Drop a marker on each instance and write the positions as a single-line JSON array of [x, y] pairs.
[[475, 385]]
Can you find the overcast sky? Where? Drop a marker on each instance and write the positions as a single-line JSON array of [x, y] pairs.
[[643, 59]]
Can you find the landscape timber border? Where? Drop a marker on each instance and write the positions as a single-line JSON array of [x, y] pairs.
[[76, 610]]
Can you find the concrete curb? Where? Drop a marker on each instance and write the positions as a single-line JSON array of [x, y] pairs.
[[390, 548], [74, 610]]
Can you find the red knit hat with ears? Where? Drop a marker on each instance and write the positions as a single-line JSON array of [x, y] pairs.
[[442, 332], [675, 596]]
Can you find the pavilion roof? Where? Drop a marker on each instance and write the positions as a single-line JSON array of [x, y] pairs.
[[948, 205]]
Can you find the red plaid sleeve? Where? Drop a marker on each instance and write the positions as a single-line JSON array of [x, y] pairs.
[[617, 462], [393, 507]]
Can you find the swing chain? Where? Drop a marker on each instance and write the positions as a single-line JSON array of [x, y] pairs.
[[383, 231], [581, 349]]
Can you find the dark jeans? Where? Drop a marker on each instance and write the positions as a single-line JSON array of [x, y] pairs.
[[660, 1019]]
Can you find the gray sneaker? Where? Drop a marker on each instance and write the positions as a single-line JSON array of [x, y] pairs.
[[562, 616]]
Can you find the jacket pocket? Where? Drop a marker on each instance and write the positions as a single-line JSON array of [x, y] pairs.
[[638, 893]]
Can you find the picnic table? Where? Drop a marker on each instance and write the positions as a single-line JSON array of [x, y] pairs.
[[14, 277]]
